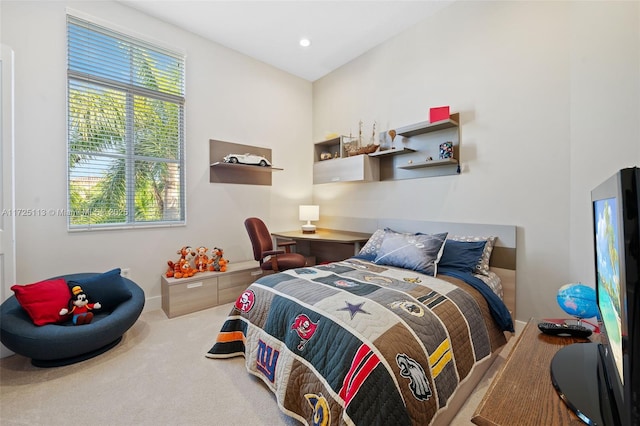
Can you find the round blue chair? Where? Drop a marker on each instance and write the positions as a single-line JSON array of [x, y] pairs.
[[54, 345]]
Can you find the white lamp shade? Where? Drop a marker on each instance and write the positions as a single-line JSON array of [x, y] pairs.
[[309, 213]]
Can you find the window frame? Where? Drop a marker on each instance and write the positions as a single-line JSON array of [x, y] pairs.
[[129, 91]]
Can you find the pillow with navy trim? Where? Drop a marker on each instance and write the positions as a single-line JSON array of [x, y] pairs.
[[461, 255], [483, 264], [107, 288], [418, 252]]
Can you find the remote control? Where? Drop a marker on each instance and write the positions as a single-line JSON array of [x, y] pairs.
[[564, 329]]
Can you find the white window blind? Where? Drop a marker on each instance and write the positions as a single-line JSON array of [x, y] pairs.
[[125, 130]]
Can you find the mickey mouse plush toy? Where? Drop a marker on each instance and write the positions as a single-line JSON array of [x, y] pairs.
[[80, 307]]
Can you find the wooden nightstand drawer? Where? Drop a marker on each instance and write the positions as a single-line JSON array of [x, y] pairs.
[[207, 289], [190, 296], [232, 285]]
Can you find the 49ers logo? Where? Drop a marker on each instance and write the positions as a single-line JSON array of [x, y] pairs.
[[246, 301]]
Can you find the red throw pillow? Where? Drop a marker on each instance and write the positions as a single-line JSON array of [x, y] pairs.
[[43, 300]]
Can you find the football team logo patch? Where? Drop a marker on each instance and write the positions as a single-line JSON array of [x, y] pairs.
[[245, 302], [418, 381], [320, 406], [305, 328]]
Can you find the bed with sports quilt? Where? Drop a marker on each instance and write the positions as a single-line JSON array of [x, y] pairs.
[[400, 333]]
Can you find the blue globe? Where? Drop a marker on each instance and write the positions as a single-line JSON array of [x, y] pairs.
[[578, 300]]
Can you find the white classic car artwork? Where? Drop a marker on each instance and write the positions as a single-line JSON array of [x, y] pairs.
[[247, 159]]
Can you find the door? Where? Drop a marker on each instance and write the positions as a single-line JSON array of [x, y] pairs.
[[7, 204]]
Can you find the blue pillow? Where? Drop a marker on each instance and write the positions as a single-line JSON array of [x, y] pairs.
[[461, 255], [418, 252], [108, 289]]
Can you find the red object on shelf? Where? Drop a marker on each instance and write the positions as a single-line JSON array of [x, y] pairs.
[[573, 321], [438, 114]]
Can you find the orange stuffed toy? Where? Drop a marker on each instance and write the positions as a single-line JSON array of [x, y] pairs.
[[217, 262], [202, 260], [177, 269]]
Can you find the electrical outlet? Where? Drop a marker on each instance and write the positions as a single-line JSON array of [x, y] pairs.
[[125, 272]]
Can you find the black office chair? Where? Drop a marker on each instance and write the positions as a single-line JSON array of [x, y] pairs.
[[263, 252]]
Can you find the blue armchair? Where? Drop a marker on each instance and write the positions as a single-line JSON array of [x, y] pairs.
[[55, 345]]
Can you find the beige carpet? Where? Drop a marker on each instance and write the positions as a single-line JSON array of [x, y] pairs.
[[157, 375]]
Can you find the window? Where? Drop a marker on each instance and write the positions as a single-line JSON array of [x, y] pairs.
[[125, 126]]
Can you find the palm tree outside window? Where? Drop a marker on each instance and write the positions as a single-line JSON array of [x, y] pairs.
[[125, 125]]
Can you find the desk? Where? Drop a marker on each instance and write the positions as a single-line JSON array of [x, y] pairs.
[[522, 392], [326, 245]]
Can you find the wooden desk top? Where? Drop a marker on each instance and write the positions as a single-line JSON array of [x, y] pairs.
[[522, 392], [327, 235]]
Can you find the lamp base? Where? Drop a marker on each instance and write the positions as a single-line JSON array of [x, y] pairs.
[[308, 229]]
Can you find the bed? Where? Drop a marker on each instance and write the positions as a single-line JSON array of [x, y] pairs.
[[400, 333]]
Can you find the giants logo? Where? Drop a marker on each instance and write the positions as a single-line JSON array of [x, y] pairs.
[[266, 360], [245, 301]]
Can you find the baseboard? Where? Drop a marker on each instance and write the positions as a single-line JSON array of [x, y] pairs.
[[152, 303]]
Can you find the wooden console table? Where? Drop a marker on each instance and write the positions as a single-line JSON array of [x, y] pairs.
[[522, 393], [326, 245]]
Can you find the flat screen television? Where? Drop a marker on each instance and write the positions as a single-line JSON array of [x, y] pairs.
[[600, 382]]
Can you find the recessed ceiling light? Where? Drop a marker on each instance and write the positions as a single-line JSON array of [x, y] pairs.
[[305, 42]]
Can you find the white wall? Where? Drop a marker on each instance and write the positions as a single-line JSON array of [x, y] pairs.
[[548, 95], [229, 97]]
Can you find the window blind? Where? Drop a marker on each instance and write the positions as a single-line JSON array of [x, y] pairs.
[[125, 130]]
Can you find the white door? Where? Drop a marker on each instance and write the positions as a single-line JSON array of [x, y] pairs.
[[7, 204]]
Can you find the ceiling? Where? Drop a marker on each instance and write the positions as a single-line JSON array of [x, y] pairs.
[[270, 31]]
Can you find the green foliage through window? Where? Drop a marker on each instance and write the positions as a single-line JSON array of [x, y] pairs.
[[125, 130]]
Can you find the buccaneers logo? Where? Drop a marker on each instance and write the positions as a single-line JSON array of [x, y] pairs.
[[305, 329]]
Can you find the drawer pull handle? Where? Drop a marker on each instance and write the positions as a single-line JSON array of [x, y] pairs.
[[254, 273], [194, 285]]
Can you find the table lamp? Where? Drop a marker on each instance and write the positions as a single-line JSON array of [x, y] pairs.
[[309, 213]]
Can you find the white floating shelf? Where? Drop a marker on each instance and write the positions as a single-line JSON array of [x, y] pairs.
[[430, 163]]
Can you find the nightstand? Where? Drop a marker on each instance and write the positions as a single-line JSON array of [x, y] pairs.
[[522, 392]]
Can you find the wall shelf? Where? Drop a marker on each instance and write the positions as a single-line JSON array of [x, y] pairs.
[[427, 127], [248, 174], [390, 152], [413, 144], [247, 167], [430, 163]]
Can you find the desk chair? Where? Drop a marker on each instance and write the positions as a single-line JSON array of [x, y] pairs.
[[263, 252]]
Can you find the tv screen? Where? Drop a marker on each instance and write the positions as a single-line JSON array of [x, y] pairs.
[[608, 285]]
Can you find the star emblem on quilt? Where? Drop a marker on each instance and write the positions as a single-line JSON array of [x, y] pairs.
[[354, 309]]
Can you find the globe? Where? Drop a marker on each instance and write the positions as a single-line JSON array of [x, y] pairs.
[[578, 300]]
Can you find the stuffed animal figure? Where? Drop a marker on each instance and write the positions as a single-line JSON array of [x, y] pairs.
[[217, 262], [202, 260], [186, 253], [172, 269], [175, 269], [80, 307], [186, 270]]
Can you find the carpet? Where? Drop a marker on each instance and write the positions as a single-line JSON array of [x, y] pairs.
[[157, 375]]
